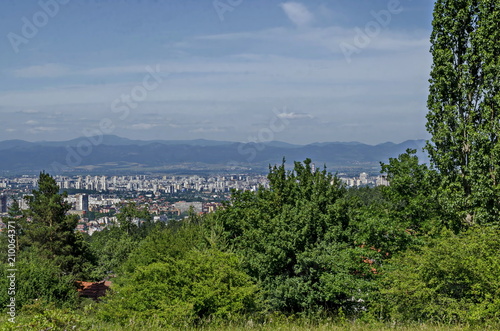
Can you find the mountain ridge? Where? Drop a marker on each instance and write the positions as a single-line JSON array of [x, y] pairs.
[[115, 140], [113, 153]]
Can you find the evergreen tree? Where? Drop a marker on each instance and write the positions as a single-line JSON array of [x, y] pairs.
[[47, 228], [50, 255], [14, 209], [464, 115]]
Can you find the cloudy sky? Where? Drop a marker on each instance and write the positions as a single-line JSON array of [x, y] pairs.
[[294, 71]]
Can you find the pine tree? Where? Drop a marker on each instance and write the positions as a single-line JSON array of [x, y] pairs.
[[50, 230], [464, 114]]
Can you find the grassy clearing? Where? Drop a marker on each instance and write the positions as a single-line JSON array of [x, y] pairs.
[[70, 320]]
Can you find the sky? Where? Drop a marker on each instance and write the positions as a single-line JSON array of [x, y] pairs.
[[237, 70]]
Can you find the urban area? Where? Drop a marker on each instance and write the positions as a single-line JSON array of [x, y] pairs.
[[97, 199]]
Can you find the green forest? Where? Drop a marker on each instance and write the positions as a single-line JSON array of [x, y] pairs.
[[307, 252]]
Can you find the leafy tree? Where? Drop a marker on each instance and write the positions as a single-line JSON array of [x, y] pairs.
[[367, 196], [464, 100], [297, 241], [412, 193], [134, 221], [112, 246], [175, 241]]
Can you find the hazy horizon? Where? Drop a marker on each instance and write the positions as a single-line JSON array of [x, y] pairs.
[[292, 71], [229, 141]]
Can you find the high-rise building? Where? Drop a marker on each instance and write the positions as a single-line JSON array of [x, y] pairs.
[[104, 183], [3, 203], [363, 178], [82, 202], [23, 204]]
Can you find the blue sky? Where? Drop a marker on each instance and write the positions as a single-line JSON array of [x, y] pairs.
[[334, 70]]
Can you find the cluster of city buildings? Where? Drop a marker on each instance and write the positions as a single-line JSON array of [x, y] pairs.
[[364, 180], [98, 211], [162, 184], [106, 195]]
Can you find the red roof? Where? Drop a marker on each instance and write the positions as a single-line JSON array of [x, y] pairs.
[[93, 290]]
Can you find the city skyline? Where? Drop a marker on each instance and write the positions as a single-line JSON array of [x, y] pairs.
[[303, 72]]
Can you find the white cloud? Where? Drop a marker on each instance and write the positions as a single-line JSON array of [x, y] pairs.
[[104, 71], [272, 33], [29, 111], [31, 122], [143, 126], [294, 116], [42, 71], [208, 130], [314, 40], [297, 13], [51, 70], [42, 129]]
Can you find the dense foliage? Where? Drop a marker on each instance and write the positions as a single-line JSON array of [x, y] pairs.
[[306, 246], [112, 246], [297, 241], [177, 275], [453, 279]]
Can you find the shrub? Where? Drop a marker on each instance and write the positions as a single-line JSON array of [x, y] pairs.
[[453, 279]]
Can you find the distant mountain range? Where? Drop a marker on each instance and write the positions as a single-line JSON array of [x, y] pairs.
[[113, 154]]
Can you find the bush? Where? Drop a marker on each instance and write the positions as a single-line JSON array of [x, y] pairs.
[[452, 280], [180, 284], [182, 291], [39, 279]]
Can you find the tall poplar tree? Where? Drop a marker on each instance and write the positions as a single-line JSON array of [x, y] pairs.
[[464, 114]]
